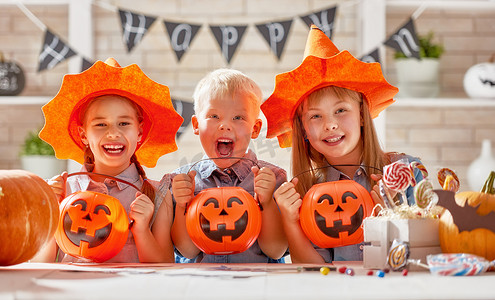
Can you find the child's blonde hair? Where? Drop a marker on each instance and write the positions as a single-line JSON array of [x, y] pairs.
[[226, 82], [305, 157], [89, 159]]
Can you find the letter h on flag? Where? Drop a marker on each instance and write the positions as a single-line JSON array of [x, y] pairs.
[[134, 27]]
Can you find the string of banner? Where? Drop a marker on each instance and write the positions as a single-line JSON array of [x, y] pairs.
[[135, 26]]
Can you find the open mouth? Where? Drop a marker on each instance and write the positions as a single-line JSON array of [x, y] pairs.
[[338, 227], [225, 147], [113, 149], [334, 140]]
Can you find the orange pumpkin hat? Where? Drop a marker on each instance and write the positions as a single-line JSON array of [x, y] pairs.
[[323, 66], [62, 113]]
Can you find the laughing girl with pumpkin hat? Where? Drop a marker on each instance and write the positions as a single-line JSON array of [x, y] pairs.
[[112, 120], [324, 109]]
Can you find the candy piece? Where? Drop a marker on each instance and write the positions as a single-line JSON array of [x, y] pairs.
[[457, 264], [370, 273], [386, 270], [342, 270], [398, 255], [405, 272], [349, 271], [380, 273], [424, 195], [448, 183], [324, 270], [397, 176]]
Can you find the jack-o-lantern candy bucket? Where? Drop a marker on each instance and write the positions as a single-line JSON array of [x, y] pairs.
[[332, 213], [225, 220], [92, 226]]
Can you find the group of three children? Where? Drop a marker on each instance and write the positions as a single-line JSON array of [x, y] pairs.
[[323, 109]]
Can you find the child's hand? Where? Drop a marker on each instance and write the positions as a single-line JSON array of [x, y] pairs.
[[289, 201], [183, 188], [376, 195], [141, 211], [264, 184], [57, 183]]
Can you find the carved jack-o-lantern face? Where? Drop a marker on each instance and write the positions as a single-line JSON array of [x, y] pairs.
[[92, 226], [223, 220], [332, 213]]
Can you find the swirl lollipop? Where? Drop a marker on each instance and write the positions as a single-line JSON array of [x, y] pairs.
[[397, 176], [424, 195], [417, 165], [448, 180]]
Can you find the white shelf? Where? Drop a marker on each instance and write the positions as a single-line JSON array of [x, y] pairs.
[[444, 102], [24, 100], [446, 4]]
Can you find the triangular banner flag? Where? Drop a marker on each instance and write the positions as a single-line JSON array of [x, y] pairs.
[[275, 33], [228, 38], [134, 27], [181, 36], [373, 56], [405, 40], [324, 19], [53, 51], [86, 64], [186, 110]]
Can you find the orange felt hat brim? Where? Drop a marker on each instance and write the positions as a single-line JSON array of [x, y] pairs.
[[315, 72], [161, 121]]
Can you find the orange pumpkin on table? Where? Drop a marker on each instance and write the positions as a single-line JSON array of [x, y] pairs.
[[224, 220], [332, 213], [468, 226], [28, 215], [92, 226]]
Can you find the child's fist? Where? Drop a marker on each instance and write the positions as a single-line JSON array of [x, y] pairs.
[[289, 201], [141, 211], [57, 183], [183, 188], [264, 184]]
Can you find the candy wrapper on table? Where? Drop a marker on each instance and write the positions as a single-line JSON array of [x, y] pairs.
[[379, 232]]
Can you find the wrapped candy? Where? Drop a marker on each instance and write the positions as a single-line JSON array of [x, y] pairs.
[[458, 264]]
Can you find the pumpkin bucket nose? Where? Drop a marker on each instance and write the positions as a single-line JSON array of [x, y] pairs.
[[338, 209], [223, 213], [87, 217]]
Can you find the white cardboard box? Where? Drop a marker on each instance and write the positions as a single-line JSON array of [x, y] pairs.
[[379, 233]]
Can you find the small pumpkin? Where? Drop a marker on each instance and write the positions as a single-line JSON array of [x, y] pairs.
[[92, 226], [28, 215], [468, 226], [479, 80], [12, 79], [332, 213], [224, 220]]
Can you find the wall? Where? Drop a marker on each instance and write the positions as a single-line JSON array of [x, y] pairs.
[[469, 38]]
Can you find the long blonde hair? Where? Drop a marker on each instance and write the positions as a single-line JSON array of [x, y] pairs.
[[306, 158], [89, 158]]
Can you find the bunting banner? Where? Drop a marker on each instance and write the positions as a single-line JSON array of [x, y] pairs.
[[373, 56], [53, 51], [275, 34], [405, 40], [228, 38], [181, 36], [324, 19], [86, 64], [186, 110], [134, 27]]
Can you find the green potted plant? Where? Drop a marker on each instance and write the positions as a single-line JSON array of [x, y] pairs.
[[38, 157], [419, 77]]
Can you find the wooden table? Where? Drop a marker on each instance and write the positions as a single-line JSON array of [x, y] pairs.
[[237, 281]]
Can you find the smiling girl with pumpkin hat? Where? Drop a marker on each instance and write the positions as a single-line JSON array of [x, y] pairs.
[[324, 110], [112, 120]]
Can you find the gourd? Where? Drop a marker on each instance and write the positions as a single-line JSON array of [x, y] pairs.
[[480, 208], [12, 78], [479, 80], [28, 213]]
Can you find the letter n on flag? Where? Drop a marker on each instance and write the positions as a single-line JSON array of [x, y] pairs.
[[405, 40]]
